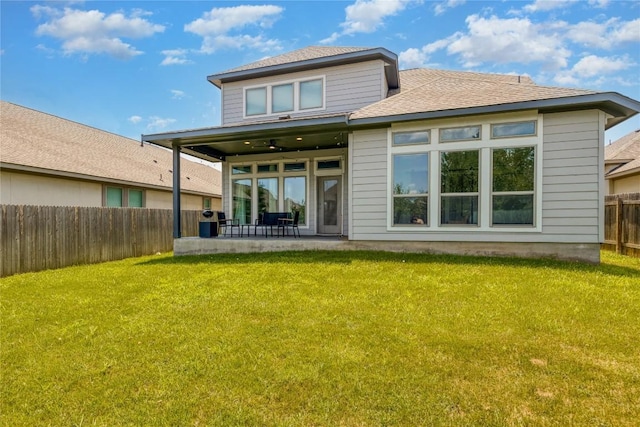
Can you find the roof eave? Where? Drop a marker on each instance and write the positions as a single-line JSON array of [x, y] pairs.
[[622, 174], [383, 54]]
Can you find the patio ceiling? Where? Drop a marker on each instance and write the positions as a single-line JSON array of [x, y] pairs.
[[218, 143]]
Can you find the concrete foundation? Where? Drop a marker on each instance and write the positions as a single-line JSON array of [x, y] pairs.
[[584, 252]]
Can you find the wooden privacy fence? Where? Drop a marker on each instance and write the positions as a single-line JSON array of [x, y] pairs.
[[622, 223], [35, 238]]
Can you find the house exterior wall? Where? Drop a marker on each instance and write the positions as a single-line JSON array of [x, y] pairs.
[[568, 196], [311, 174], [347, 88], [627, 184], [31, 189]]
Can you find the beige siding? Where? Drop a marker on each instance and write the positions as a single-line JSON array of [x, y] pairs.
[[627, 184], [28, 189], [348, 87]]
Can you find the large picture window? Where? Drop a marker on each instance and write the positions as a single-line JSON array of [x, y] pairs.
[[513, 171], [410, 189], [459, 187]]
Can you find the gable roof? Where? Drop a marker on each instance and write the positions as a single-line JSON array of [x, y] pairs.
[[310, 58], [38, 142], [625, 152]]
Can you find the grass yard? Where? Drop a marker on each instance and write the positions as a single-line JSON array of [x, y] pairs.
[[323, 339]]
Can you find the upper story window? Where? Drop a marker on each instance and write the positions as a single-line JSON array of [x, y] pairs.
[[289, 97]]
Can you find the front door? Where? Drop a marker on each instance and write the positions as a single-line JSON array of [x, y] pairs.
[[329, 205]]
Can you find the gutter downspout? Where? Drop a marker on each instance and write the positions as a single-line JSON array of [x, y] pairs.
[[177, 212]]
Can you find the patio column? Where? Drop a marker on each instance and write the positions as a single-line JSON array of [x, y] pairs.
[[177, 211]]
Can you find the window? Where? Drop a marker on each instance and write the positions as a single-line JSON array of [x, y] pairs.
[[513, 186], [408, 138], [206, 203], [294, 167], [410, 189], [242, 200], [295, 196], [135, 199], [240, 169], [328, 164], [459, 187], [466, 133], [273, 167], [114, 197], [256, 101], [268, 195], [311, 94], [504, 130], [282, 98], [117, 197]]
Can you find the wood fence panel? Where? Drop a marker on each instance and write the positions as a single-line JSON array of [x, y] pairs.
[[622, 224], [35, 238]]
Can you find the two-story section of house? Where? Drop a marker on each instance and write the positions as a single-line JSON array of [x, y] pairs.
[[417, 159]]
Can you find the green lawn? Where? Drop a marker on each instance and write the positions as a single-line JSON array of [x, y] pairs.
[[322, 339]]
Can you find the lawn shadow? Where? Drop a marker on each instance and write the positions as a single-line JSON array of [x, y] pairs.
[[348, 257]]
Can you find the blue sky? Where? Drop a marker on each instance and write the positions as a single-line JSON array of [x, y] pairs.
[[136, 67]]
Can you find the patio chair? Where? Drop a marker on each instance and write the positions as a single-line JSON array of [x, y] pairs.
[[285, 224], [259, 223], [223, 222]]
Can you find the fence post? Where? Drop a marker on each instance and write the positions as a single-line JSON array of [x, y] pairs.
[[619, 216]]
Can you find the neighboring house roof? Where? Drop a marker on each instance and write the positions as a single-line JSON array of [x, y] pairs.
[[310, 58], [37, 142], [626, 153]]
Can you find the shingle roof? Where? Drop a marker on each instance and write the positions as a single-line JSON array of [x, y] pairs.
[[304, 54], [38, 140], [626, 151], [426, 90]]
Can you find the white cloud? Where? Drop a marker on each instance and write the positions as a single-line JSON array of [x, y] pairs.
[[546, 5], [412, 58], [216, 25], [175, 57], [441, 8], [365, 16], [93, 32], [514, 40], [605, 35], [135, 119], [177, 94], [158, 123], [592, 66]]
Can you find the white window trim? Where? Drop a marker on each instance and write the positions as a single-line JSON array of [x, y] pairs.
[[484, 145], [296, 97], [328, 172]]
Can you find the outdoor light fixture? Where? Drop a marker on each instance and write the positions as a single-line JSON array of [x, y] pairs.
[[247, 143], [299, 138], [272, 144]]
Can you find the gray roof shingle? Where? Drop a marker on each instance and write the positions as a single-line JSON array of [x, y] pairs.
[[39, 140]]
